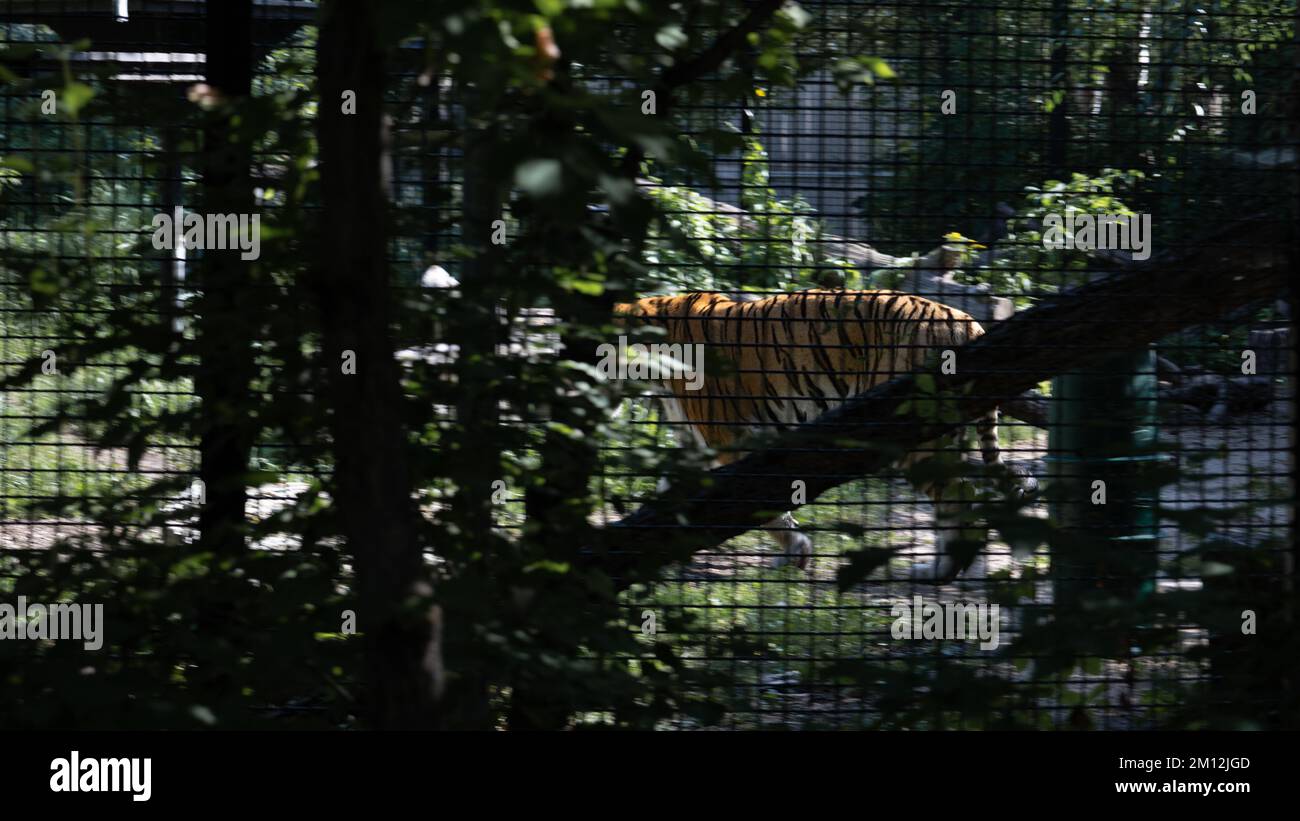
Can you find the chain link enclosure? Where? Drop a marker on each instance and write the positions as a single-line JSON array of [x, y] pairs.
[[923, 147]]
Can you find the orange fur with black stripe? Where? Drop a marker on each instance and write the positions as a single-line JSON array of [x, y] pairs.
[[783, 360]]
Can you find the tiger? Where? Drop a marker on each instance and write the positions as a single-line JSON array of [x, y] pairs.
[[782, 360]]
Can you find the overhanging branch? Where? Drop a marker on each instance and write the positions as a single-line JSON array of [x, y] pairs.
[[1247, 261], [716, 54], [687, 71]]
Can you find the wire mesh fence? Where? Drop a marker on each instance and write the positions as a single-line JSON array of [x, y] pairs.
[[928, 179]]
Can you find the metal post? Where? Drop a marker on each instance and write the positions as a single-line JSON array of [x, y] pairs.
[[1102, 429]]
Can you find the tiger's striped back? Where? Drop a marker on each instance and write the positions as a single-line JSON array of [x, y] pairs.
[[786, 359]]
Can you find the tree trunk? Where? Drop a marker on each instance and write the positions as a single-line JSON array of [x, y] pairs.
[[372, 473], [226, 323]]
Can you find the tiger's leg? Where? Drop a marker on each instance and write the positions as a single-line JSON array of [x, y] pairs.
[[948, 498], [682, 430], [796, 547], [951, 496]]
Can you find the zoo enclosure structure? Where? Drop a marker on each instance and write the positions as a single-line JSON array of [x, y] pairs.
[[1054, 105], [1185, 438]]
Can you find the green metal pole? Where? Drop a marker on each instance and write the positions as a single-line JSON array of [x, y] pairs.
[[1102, 429]]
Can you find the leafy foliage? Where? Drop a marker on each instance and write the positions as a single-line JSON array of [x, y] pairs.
[[769, 243]]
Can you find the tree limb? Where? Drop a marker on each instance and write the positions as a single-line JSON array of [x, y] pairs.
[[722, 48], [701, 64], [1030, 407]]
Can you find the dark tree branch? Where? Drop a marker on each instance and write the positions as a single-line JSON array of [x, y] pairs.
[[1030, 407], [717, 53], [683, 73], [1248, 261]]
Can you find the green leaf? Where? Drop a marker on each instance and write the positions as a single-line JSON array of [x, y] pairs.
[[798, 17], [75, 97], [671, 37], [547, 566], [550, 8], [539, 178], [42, 282], [879, 67], [20, 164], [586, 287]]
